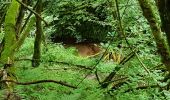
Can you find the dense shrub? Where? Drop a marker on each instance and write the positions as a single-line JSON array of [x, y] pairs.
[[81, 20]]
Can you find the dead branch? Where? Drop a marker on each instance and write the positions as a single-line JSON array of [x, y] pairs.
[[50, 61], [64, 68], [40, 81], [143, 87], [119, 79]]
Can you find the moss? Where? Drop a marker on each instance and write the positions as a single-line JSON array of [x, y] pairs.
[[151, 15], [10, 34], [12, 13]]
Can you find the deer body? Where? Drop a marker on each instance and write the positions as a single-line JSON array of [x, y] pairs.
[[85, 49]]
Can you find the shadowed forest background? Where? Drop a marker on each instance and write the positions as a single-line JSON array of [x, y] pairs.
[[84, 49]]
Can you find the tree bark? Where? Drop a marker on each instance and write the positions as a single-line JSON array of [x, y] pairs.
[[162, 47], [10, 32], [164, 11], [38, 38], [20, 19], [150, 14], [10, 45], [7, 53]]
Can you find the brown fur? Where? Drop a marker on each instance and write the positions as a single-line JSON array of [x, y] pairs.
[[85, 49]]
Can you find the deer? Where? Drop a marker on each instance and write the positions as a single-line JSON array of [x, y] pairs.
[[85, 49]]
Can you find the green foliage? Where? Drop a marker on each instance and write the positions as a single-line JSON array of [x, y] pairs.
[[83, 20], [88, 89], [71, 18]]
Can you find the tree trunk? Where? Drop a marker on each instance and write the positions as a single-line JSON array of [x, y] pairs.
[[150, 15], [7, 53], [20, 19], [10, 32], [38, 38], [10, 45], [164, 11], [162, 47]]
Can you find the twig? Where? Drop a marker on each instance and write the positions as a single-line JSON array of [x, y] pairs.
[[142, 64], [128, 57], [40, 81], [59, 68]]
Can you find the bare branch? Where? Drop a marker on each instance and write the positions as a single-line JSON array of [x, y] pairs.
[[40, 81], [32, 12], [50, 61]]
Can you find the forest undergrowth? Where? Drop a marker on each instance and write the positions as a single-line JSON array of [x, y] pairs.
[[58, 63]]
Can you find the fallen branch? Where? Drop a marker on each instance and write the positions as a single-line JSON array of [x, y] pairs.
[[50, 61], [40, 81], [119, 79], [143, 87], [65, 68]]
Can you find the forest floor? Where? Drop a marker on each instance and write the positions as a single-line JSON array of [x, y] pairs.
[[60, 64]]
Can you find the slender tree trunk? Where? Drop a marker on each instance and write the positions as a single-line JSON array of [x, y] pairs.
[[20, 19], [38, 38]]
